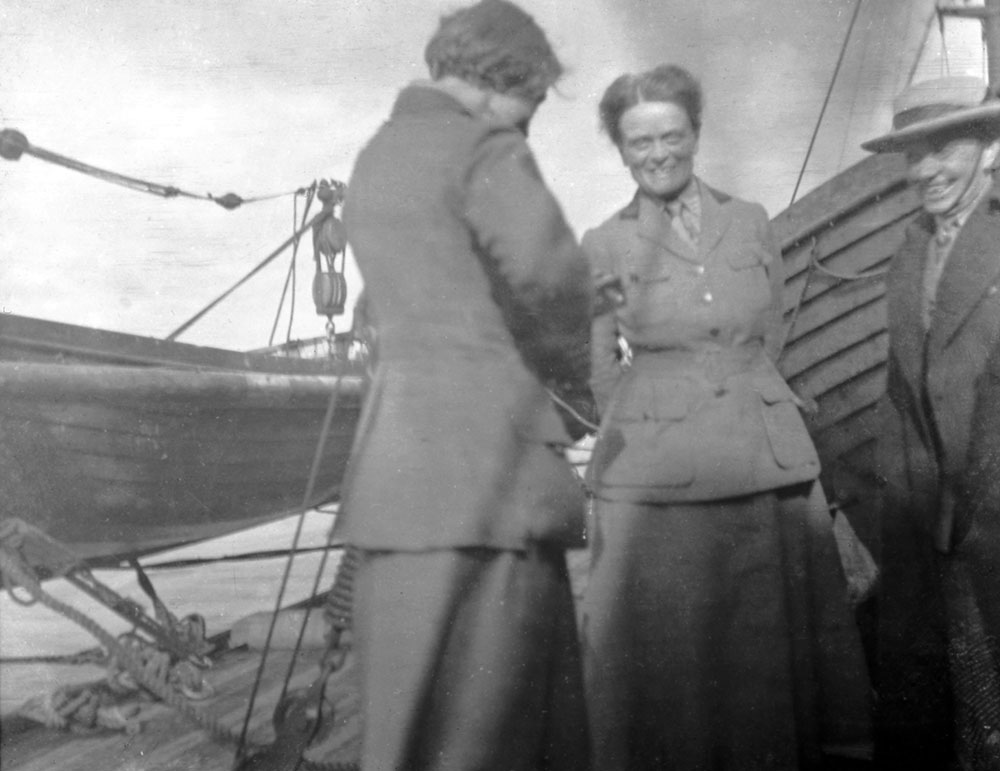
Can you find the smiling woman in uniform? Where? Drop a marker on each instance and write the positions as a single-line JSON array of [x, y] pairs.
[[716, 628]]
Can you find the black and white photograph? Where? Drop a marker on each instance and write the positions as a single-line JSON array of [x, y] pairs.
[[499, 385]]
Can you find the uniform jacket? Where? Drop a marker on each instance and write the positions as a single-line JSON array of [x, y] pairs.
[[479, 296], [939, 454], [701, 413]]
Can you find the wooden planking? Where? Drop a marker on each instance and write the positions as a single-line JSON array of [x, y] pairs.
[[837, 404], [171, 741], [887, 218], [868, 180], [833, 305], [871, 255], [105, 430], [29, 339], [171, 385], [836, 350], [91, 451], [838, 336], [851, 363]]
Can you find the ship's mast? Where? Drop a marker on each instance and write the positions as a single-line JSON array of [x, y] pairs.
[[989, 16]]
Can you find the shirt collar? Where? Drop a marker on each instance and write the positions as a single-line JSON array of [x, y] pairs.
[[689, 198]]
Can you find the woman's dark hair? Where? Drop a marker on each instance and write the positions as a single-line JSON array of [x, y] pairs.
[[666, 83], [496, 45]]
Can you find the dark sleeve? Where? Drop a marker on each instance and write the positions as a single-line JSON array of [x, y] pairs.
[[890, 452], [539, 276], [978, 491], [606, 367]]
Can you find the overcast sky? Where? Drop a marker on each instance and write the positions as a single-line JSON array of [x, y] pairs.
[[264, 96]]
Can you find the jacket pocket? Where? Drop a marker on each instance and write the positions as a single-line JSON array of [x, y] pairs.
[[749, 257], [643, 442], [645, 399], [790, 442], [649, 454]]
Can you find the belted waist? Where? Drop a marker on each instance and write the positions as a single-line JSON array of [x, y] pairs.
[[715, 363]]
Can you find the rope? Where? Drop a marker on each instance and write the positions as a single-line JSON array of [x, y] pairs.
[[13, 144], [314, 472], [574, 413], [329, 539], [873, 273], [923, 43], [290, 276], [266, 261], [15, 573], [945, 64], [826, 100]]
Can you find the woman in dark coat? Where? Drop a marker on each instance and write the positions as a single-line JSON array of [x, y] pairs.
[[458, 493], [717, 632]]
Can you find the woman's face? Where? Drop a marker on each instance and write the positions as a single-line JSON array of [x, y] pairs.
[[511, 110], [658, 145]]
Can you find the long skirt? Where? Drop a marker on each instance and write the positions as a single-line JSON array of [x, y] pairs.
[[718, 635], [469, 659]]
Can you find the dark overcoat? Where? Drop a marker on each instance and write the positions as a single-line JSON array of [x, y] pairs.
[[939, 458], [480, 298]]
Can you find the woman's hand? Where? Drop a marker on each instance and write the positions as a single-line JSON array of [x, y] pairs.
[[608, 293]]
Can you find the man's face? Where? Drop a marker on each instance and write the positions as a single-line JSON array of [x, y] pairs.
[[658, 144], [949, 172]]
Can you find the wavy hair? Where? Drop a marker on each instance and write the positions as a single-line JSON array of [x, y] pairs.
[[496, 45], [665, 83]]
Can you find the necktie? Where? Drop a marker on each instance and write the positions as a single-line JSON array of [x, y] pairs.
[[937, 255], [684, 222]]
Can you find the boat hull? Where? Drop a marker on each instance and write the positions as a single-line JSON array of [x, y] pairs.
[[837, 242], [118, 460]]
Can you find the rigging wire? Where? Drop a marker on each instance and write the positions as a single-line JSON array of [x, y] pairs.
[[923, 44], [945, 64], [310, 485], [826, 99], [290, 276], [260, 266], [13, 144]]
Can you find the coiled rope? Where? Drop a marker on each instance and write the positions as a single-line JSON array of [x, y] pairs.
[[16, 574]]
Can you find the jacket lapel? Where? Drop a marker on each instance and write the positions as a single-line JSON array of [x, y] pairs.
[[715, 221], [972, 268], [904, 290], [655, 226]]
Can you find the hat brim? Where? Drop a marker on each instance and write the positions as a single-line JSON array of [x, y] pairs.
[[982, 115]]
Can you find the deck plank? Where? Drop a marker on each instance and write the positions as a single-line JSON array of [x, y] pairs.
[[172, 741]]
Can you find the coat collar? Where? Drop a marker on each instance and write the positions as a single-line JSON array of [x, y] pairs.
[[904, 292], [973, 267], [424, 97], [654, 226]]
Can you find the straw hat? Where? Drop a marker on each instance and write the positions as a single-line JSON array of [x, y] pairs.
[[934, 106]]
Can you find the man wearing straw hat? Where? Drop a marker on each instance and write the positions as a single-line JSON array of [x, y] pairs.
[[939, 454]]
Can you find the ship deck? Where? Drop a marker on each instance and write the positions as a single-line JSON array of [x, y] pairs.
[[171, 740]]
